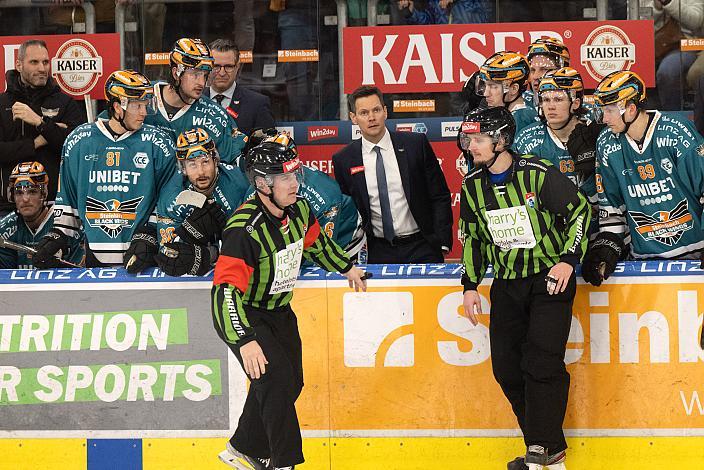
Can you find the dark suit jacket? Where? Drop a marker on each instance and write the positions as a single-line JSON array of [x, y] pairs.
[[423, 182], [250, 109]]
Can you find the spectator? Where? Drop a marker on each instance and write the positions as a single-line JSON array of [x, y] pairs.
[[448, 11], [32, 219], [394, 173], [35, 117], [673, 20], [639, 151], [249, 109], [112, 216]]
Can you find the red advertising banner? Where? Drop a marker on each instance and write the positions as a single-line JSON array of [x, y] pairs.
[[402, 59], [80, 64]]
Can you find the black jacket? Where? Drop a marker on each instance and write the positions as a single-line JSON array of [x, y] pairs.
[[423, 183], [17, 137], [251, 110]]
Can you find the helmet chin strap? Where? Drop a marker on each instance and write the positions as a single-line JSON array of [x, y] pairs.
[[491, 162], [177, 89], [628, 124]]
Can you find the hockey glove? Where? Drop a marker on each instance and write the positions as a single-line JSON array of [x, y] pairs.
[[143, 247], [50, 248], [602, 255], [582, 147], [203, 225], [178, 258]]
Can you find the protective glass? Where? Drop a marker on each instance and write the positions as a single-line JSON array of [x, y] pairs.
[[483, 86], [197, 73], [467, 139], [608, 111], [27, 189], [147, 104], [287, 178], [197, 160]]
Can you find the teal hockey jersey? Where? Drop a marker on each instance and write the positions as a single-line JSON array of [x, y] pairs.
[[14, 229], [109, 187], [524, 115], [205, 113], [230, 192], [652, 195]]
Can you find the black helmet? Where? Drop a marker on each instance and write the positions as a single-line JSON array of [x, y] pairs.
[[496, 121], [270, 158]]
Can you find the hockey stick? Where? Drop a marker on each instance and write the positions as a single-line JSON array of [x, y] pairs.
[[26, 249]]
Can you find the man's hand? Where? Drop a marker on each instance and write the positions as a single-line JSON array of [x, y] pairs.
[[356, 278], [53, 245], [178, 258], [253, 359], [22, 112], [203, 224], [558, 277], [40, 141], [602, 255], [471, 302], [142, 250], [405, 4]]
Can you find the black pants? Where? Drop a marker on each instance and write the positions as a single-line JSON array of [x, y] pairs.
[[416, 251], [268, 426], [528, 331]]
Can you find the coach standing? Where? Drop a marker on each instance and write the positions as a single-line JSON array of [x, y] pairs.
[[398, 187], [35, 118]]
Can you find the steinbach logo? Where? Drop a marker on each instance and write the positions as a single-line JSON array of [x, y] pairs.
[[321, 132], [665, 227], [607, 49], [77, 67], [112, 216]]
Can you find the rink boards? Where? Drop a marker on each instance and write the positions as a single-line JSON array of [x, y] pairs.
[[100, 369]]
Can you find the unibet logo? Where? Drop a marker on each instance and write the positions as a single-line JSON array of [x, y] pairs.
[[368, 334]]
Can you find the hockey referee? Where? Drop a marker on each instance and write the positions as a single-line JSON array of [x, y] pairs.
[[263, 243], [529, 221]]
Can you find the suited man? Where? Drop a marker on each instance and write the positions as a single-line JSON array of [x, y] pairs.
[[396, 182], [250, 109]]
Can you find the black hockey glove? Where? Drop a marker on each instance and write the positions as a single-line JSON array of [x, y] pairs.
[[602, 255], [582, 147], [51, 247], [143, 247], [203, 225], [178, 258]]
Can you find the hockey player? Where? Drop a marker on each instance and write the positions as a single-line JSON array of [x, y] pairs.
[[263, 245], [544, 55], [189, 236], [336, 212], [32, 219], [529, 221], [560, 94], [180, 103], [501, 81], [111, 173], [650, 181]]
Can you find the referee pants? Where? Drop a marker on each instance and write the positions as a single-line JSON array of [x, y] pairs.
[[268, 426], [528, 332]]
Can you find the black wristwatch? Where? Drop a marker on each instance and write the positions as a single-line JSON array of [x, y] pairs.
[[42, 125]]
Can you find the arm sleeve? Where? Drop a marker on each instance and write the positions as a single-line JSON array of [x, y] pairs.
[[233, 271], [439, 195], [320, 249], [612, 208], [561, 197], [690, 14], [14, 150], [66, 217], [56, 135], [474, 259], [689, 160], [348, 227], [8, 228], [264, 117], [231, 141]]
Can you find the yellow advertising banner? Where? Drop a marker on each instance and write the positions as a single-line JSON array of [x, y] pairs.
[[400, 360]]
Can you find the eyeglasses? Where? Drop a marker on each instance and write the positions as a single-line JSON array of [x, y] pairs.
[[229, 68]]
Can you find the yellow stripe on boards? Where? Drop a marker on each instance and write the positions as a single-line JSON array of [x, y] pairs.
[[33, 454]]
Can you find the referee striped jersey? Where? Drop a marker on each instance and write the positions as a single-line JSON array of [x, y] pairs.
[[527, 224], [260, 261]]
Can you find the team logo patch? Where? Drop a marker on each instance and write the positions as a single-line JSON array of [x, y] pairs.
[[112, 216], [356, 169], [666, 165], [700, 150], [665, 227], [530, 200], [331, 213]]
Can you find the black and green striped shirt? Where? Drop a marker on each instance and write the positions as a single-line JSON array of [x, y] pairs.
[[531, 222], [260, 261]]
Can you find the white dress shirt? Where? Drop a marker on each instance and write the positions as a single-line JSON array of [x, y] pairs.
[[404, 223], [228, 95]]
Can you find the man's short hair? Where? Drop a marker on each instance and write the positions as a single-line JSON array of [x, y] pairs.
[[226, 45], [363, 92], [31, 42]]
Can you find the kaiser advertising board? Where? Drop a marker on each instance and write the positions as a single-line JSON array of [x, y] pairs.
[[423, 59], [79, 64]]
